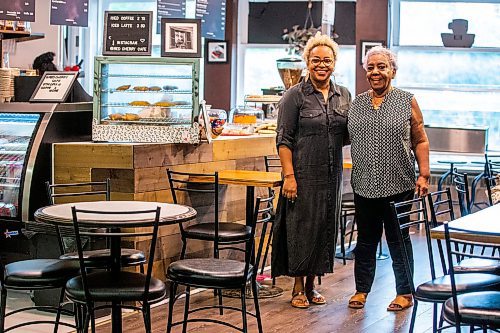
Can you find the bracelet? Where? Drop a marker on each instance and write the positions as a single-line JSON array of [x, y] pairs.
[[290, 174]]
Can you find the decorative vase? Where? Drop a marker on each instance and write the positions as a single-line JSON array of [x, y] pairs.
[[290, 70]]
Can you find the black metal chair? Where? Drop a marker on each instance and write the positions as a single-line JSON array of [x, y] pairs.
[[438, 216], [223, 235], [111, 285], [100, 258], [491, 166], [217, 274], [438, 289], [492, 180], [461, 184], [473, 309], [37, 274]]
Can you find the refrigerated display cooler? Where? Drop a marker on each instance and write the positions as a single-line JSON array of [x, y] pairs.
[[27, 131]]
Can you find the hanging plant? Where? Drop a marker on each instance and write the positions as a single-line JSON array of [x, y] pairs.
[[297, 38]]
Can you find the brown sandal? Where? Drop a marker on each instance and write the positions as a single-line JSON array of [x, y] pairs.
[[299, 300], [314, 297], [400, 303], [358, 300]]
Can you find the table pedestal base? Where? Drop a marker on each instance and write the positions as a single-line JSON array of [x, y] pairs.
[[264, 292]]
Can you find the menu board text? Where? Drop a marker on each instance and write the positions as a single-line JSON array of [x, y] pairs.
[[127, 33]]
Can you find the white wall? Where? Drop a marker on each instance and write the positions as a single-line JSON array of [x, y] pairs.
[[23, 54]]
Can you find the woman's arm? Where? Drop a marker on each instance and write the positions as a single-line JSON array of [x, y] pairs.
[[420, 146], [285, 140]]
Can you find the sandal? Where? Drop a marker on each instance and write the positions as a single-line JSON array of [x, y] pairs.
[[400, 303], [358, 300], [314, 297], [299, 300]]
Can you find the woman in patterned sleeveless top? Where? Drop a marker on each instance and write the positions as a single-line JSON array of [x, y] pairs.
[[312, 128], [386, 129]]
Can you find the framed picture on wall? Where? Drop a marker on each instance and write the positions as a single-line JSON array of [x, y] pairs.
[[217, 51], [180, 38], [367, 45]]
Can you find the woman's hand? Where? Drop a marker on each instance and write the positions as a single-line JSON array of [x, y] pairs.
[[422, 186], [290, 188]]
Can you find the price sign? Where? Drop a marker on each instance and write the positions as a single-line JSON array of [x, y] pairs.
[[54, 87], [127, 33]]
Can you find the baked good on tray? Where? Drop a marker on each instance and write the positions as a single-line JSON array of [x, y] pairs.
[[154, 88], [124, 87], [116, 116], [139, 103], [141, 88], [130, 117]]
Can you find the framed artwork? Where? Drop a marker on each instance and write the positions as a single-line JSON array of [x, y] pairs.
[[217, 51], [180, 38], [367, 45]]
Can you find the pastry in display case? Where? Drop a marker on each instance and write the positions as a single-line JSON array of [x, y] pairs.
[[142, 99]]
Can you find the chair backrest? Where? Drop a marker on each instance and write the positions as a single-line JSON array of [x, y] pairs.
[[272, 163], [461, 184], [101, 189], [492, 179], [406, 216], [78, 191], [457, 249], [250, 242], [196, 184], [441, 207], [115, 230]]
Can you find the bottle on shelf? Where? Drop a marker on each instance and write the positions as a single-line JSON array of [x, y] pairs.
[[9, 25]]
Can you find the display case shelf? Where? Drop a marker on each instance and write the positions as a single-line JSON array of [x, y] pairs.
[[127, 105], [176, 92], [154, 76]]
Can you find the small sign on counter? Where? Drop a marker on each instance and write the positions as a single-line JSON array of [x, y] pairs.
[[127, 33], [54, 87]]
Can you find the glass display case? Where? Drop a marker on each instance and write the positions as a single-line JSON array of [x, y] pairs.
[[143, 99]]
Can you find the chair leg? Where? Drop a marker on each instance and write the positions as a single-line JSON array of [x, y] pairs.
[[171, 301], [267, 250], [434, 317], [219, 294], [92, 318], [141, 268], [244, 309], [3, 304], [343, 222], [86, 321], [58, 313], [186, 309], [147, 317], [256, 304], [183, 250], [351, 234], [413, 316]]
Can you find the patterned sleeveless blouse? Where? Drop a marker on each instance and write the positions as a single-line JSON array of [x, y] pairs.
[[383, 163]]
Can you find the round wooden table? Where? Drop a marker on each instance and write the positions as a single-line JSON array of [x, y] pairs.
[[60, 214]]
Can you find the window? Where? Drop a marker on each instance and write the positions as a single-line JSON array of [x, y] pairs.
[[453, 86]]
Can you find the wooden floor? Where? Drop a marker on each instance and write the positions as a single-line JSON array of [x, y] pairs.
[[335, 316]]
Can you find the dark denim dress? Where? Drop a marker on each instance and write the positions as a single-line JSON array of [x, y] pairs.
[[305, 232]]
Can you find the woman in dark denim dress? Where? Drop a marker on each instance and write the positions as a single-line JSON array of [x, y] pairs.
[[312, 129]]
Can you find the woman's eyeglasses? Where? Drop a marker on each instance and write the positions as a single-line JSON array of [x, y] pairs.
[[317, 62]]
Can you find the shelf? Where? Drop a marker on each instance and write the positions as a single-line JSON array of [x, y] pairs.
[[177, 91], [132, 76], [20, 36], [12, 152], [149, 121], [263, 99]]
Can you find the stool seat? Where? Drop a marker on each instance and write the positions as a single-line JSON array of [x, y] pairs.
[[228, 231], [478, 265], [209, 272], [120, 286], [40, 272], [129, 257], [440, 288], [477, 308]]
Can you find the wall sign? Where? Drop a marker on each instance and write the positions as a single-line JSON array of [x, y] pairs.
[[212, 14], [17, 10], [169, 9], [69, 12], [54, 87], [127, 33]]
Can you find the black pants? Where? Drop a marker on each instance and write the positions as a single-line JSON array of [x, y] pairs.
[[371, 216]]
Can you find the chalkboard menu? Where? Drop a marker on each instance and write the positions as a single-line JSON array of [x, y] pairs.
[[127, 33], [69, 12], [17, 10], [169, 9], [213, 18]]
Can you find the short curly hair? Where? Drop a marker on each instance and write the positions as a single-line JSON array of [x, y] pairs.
[[391, 56], [320, 40]]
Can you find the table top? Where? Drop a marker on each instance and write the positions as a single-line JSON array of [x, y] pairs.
[[60, 214], [244, 177], [486, 221]]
